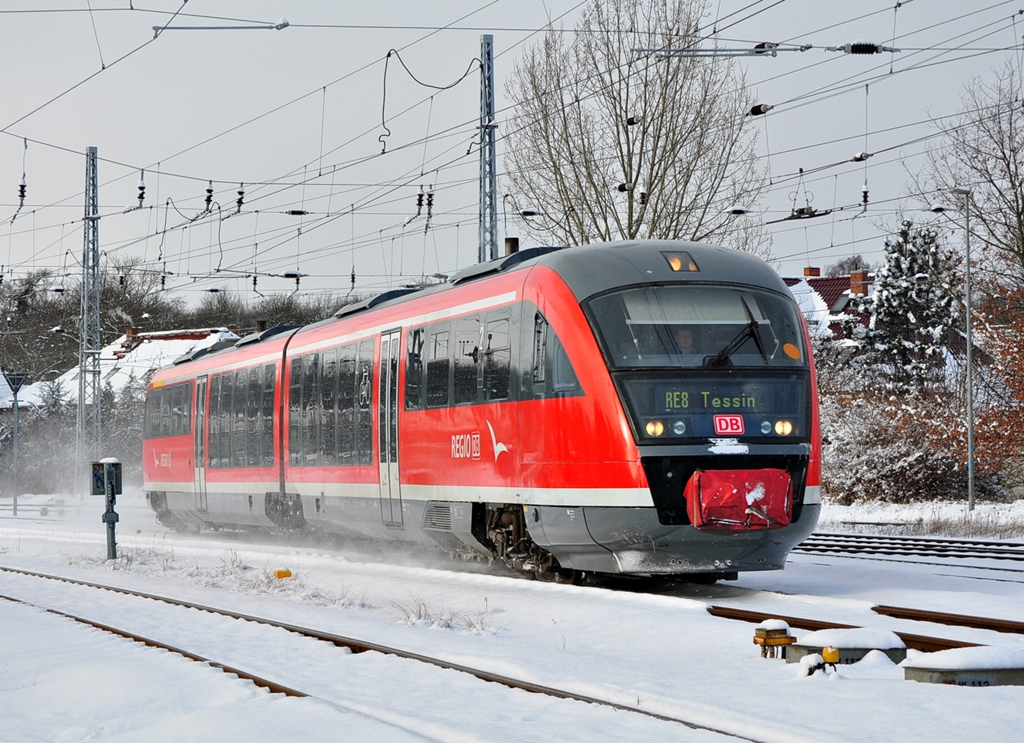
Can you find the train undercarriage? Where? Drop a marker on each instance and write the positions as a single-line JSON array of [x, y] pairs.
[[546, 543]]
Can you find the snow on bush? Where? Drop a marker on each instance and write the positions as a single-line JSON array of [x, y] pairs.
[[892, 450]]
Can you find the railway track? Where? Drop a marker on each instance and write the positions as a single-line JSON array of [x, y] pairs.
[[295, 685], [903, 546], [924, 643], [351, 644], [271, 686]]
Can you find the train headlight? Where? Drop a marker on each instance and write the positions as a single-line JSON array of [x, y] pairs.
[[680, 260], [655, 428], [766, 427], [783, 428], [678, 428]]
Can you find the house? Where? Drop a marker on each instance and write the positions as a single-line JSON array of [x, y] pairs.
[[134, 355], [825, 300]]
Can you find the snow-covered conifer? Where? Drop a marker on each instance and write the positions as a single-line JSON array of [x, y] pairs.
[[912, 310]]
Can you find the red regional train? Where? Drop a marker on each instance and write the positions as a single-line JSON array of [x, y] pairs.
[[639, 407]]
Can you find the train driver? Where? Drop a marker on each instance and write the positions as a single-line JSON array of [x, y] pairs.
[[684, 340]]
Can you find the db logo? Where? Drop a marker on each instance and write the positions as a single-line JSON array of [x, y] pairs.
[[731, 425]]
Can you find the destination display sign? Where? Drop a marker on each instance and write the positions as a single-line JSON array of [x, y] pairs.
[[706, 406], [744, 397]]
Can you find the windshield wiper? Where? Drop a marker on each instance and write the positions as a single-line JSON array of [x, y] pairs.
[[749, 331]]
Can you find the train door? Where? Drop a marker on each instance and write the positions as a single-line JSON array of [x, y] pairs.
[[390, 487], [200, 444]]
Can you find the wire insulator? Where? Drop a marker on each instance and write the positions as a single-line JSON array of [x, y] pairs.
[[863, 47], [240, 199], [760, 109], [209, 195], [22, 188]]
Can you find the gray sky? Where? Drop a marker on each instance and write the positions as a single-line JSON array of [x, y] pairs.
[[824, 114], [295, 115]]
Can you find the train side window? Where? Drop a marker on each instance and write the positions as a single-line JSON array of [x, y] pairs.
[[168, 411], [310, 408], [147, 424], [167, 423], [165, 413], [563, 379], [241, 388], [364, 392], [213, 418], [253, 429], [467, 359], [438, 366], [540, 339], [497, 355], [552, 372], [187, 409], [226, 395], [347, 404], [328, 407], [179, 410], [414, 369], [152, 425], [295, 412], [267, 416]]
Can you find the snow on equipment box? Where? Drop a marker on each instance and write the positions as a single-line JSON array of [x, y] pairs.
[[973, 666], [852, 643]]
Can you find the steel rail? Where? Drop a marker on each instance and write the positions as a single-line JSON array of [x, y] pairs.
[[920, 538], [957, 620], [359, 646], [911, 547], [263, 683], [923, 643]]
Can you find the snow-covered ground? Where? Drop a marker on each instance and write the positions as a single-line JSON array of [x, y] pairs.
[[61, 681]]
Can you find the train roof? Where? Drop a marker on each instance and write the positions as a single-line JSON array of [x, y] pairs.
[[594, 269], [600, 267], [587, 270]]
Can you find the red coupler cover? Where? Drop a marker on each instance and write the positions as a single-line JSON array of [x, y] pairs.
[[739, 499]]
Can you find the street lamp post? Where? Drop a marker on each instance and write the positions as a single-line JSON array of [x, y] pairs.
[[965, 191]]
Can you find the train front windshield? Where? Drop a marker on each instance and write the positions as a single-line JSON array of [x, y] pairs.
[[699, 361]]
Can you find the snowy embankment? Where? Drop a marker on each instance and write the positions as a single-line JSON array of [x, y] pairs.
[[665, 653], [987, 520]]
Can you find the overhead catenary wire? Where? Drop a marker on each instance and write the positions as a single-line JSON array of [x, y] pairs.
[[303, 179], [82, 82]]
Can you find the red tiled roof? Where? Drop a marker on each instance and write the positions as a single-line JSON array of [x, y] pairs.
[[830, 288]]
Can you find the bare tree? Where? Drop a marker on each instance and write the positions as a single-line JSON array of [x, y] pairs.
[[607, 144], [846, 266], [983, 147]]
